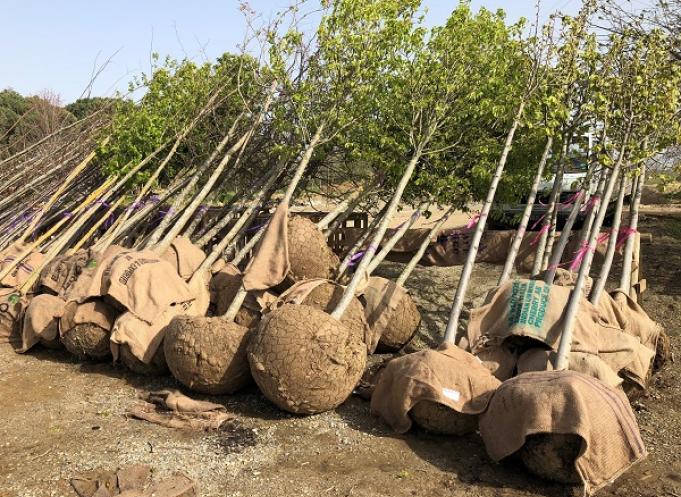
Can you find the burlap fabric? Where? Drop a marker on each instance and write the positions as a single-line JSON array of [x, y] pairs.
[[22, 272], [184, 256], [382, 298], [589, 364], [270, 262], [140, 282], [72, 276], [143, 338], [532, 309], [565, 402], [41, 321], [173, 409], [449, 376], [618, 309], [132, 481], [563, 277], [300, 291], [11, 311], [224, 286], [93, 311]]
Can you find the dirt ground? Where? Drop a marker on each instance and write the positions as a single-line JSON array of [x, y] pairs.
[[59, 417]]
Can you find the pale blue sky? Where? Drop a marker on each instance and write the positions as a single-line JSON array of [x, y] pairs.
[[54, 44]]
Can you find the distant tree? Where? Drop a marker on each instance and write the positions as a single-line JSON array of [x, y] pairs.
[[83, 107]]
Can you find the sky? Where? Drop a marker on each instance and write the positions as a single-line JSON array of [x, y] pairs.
[[56, 45]]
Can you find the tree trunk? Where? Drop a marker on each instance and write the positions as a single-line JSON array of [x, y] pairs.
[[625, 279], [392, 241], [457, 306], [527, 213], [345, 264]]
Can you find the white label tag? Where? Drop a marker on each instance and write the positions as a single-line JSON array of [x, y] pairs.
[[451, 394]]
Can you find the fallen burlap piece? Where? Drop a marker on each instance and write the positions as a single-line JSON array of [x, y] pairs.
[[143, 338], [41, 321], [224, 285], [566, 402], [144, 284], [270, 262], [172, 409], [184, 256], [131, 481], [589, 364], [448, 376], [12, 306], [22, 272], [95, 311]]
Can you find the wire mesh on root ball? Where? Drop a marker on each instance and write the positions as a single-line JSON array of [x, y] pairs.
[[391, 313], [552, 456], [86, 329], [309, 254], [156, 367], [442, 420], [304, 360], [208, 355]]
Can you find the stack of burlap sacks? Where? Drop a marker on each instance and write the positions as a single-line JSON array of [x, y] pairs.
[[570, 426]]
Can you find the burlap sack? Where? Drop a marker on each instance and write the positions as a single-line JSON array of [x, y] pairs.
[[448, 376], [531, 309], [588, 364], [41, 320], [381, 298], [500, 360], [184, 256], [224, 286], [618, 309], [143, 338], [11, 311], [564, 277], [22, 272], [93, 311], [625, 354], [565, 402], [270, 263], [143, 284]]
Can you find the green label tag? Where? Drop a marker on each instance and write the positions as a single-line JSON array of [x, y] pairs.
[[527, 306], [91, 264], [14, 298]]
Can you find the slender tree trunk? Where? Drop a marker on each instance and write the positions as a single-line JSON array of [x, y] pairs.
[[347, 205], [625, 279], [392, 241], [527, 213], [548, 216], [411, 265], [559, 249], [345, 264], [457, 306], [180, 198], [599, 285], [565, 345], [363, 266]]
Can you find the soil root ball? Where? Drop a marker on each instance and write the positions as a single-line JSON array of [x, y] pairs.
[[442, 420], [309, 254], [326, 297], [87, 341], [552, 456], [391, 313], [156, 367], [663, 351], [304, 360], [208, 355]]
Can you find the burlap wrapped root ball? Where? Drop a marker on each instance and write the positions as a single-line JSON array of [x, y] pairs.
[[156, 367], [208, 355], [304, 360], [552, 456], [309, 254], [442, 420], [85, 329], [391, 313]]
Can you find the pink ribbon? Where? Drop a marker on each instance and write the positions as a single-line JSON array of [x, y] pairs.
[[623, 235], [592, 203], [473, 221], [581, 254], [544, 229]]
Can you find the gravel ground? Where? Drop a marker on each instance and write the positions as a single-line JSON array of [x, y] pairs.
[[60, 417]]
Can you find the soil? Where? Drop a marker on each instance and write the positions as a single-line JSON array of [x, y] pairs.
[[60, 417]]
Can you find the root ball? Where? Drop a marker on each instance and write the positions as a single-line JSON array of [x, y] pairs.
[[326, 297], [440, 419], [208, 355], [305, 361], [552, 456], [87, 341], [156, 367], [309, 254]]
